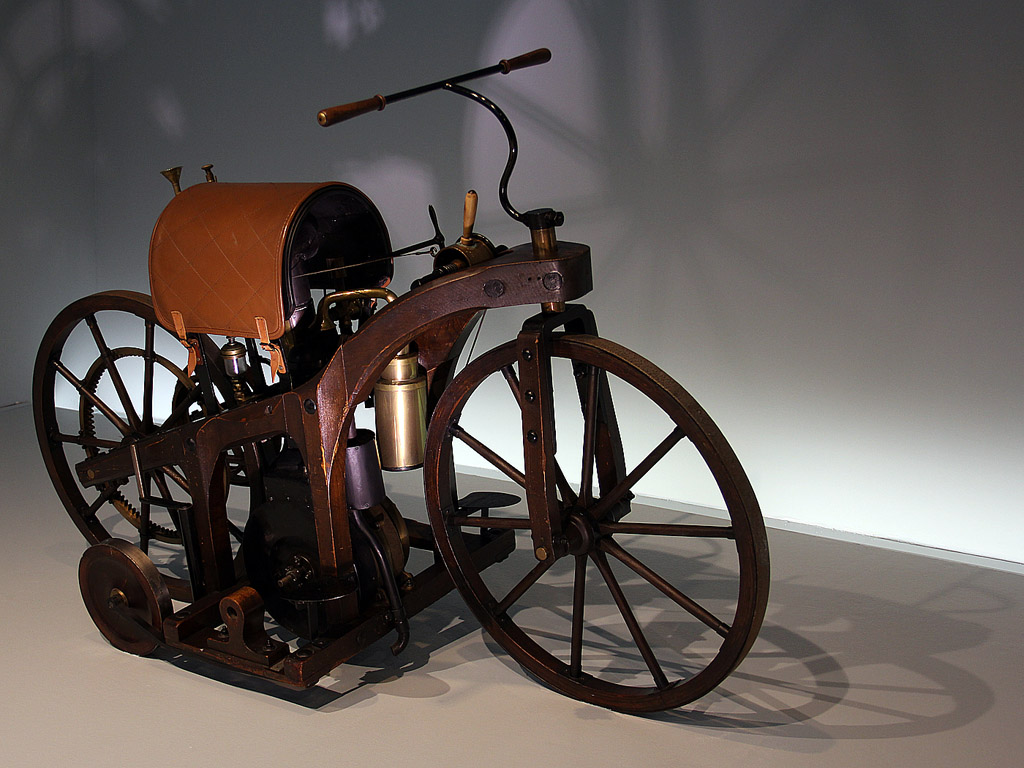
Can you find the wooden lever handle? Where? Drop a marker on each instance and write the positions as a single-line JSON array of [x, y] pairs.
[[531, 59], [333, 115], [469, 215]]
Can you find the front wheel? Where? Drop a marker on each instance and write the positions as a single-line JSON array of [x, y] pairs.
[[643, 608]]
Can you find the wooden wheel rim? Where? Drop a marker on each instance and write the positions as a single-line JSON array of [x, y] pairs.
[[750, 537]]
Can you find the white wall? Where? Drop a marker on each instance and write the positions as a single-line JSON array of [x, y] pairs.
[[811, 211]]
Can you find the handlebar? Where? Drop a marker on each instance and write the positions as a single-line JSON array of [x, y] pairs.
[[332, 115]]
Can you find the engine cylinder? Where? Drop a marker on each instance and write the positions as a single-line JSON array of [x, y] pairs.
[[364, 486]]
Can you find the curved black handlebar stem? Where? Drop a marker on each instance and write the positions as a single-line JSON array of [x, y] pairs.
[[539, 219], [510, 134]]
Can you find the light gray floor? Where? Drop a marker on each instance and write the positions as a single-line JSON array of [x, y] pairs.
[[867, 657]]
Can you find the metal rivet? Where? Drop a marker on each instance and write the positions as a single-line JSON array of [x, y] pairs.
[[494, 289], [552, 281], [527, 354], [309, 405], [530, 396], [531, 436], [541, 553]]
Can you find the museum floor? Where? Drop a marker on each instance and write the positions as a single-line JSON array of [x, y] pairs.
[[868, 656]]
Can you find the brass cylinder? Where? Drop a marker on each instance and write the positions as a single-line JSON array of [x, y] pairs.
[[400, 407], [233, 354]]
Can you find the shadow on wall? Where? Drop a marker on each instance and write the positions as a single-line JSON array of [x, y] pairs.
[[46, 154], [805, 211]]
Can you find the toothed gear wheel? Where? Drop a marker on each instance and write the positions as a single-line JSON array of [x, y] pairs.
[[87, 423]]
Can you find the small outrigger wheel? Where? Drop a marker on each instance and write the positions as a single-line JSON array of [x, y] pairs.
[[125, 595]]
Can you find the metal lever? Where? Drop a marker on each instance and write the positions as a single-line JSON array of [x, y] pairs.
[[333, 115], [398, 615]]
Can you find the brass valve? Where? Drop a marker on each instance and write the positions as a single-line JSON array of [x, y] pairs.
[[471, 248]]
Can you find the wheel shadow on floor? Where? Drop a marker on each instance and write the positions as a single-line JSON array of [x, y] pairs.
[[832, 664]]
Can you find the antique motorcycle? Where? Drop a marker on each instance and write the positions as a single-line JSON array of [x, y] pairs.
[[242, 518]]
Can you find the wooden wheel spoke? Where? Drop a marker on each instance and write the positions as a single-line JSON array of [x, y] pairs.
[[524, 584], [115, 375], [145, 511], [181, 409], [579, 587], [99, 501], [175, 476], [165, 493], [85, 441], [612, 498], [147, 384], [85, 392], [513, 383], [670, 529], [631, 622], [589, 438], [505, 523], [686, 603], [489, 455]]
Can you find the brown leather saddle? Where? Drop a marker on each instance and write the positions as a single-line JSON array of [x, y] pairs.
[[237, 259]]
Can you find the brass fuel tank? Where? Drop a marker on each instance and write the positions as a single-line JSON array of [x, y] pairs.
[[400, 406]]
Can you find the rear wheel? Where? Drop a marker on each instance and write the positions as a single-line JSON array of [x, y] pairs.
[[643, 609], [108, 374]]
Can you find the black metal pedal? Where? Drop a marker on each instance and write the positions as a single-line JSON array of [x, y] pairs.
[[482, 501]]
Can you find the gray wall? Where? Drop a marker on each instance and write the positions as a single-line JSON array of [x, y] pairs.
[[47, 184], [809, 213]]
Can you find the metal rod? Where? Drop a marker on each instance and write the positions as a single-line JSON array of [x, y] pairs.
[[510, 135]]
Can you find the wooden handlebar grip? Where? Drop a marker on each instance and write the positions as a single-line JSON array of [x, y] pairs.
[[333, 115], [469, 215], [531, 59]]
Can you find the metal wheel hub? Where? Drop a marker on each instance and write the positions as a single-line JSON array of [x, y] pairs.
[[581, 533]]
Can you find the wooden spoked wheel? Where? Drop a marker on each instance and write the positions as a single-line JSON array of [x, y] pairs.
[[107, 374], [642, 608]]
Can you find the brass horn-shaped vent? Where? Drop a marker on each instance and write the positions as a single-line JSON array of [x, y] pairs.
[[173, 175]]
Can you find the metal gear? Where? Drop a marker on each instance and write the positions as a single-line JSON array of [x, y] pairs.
[[87, 428]]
